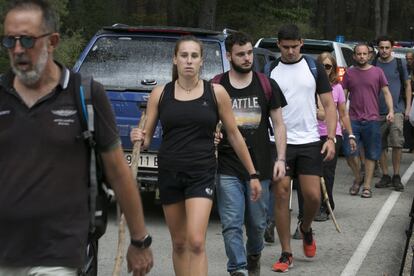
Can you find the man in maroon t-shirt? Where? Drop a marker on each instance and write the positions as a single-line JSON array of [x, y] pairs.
[[363, 83]]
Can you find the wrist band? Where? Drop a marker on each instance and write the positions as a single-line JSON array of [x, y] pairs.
[[281, 160], [351, 136]]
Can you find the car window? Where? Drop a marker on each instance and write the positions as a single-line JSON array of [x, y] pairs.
[[129, 62], [348, 56]]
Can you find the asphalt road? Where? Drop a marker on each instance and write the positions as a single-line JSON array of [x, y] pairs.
[[371, 243]]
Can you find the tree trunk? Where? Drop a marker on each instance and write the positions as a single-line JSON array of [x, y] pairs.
[[341, 17], [377, 18], [385, 14], [207, 14], [330, 29], [172, 13]]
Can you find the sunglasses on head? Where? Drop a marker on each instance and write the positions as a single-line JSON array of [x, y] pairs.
[[26, 41], [327, 66]]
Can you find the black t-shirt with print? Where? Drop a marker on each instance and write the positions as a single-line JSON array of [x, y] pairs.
[[251, 109]]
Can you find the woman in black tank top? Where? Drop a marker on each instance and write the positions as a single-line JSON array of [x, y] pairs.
[[189, 109]]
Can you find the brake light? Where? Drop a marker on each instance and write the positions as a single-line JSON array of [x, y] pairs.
[[340, 72]]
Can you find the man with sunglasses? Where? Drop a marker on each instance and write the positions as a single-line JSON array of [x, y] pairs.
[[44, 173]]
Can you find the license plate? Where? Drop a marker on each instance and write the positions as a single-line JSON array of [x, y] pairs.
[[145, 160]]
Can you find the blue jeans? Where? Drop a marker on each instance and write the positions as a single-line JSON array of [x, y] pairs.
[[235, 209], [368, 135]]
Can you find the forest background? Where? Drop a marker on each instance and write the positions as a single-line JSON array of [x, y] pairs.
[[356, 20]]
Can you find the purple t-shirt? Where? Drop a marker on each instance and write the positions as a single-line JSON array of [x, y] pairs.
[[364, 87], [338, 98]]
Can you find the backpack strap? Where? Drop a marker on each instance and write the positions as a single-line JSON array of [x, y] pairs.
[[268, 68], [217, 78], [374, 61], [401, 73], [265, 83], [312, 65], [83, 97]]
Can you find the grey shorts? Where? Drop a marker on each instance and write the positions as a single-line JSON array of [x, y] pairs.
[[392, 134]]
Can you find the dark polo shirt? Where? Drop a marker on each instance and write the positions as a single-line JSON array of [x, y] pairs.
[[44, 174]]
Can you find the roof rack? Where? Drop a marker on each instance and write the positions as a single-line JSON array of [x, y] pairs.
[[119, 27]]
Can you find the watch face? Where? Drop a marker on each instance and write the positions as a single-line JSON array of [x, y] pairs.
[[147, 241], [144, 243]]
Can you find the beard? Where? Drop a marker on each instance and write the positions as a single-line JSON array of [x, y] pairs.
[[32, 76], [240, 69], [361, 63]]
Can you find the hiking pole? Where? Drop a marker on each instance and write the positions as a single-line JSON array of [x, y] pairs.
[[218, 130], [134, 169], [290, 197], [326, 200]]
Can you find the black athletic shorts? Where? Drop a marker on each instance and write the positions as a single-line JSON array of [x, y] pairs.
[[179, 186], [304, 159]]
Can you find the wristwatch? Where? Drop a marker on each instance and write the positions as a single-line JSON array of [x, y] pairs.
[[331, 138], [255, 175], [143, 243], [351, 136]]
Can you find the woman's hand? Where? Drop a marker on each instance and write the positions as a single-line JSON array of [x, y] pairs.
[[137, 135]]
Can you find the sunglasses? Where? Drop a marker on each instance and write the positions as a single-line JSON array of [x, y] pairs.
[[327, 66], [26, 41]]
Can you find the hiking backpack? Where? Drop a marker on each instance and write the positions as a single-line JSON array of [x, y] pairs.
[[263, 79], [268, 68], [99, 196], [264, 83]]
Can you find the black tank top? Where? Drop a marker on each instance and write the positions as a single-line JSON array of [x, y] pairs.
[[188, 130]]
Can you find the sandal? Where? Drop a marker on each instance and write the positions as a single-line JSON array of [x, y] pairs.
[[366, 193], [354, 190]]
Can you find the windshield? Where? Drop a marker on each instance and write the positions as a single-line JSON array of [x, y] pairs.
[[141, 62]]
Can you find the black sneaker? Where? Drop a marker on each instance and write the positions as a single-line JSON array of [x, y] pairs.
[[238, 273], [396, 182], [253, 265], [384, 182], [297, 235], [269, 233], [377, 171], [321, 216]]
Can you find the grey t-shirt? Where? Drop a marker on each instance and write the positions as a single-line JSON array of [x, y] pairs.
[[394, 83]]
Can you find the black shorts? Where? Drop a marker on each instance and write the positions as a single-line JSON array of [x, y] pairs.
[[179, 186], [304, 159]]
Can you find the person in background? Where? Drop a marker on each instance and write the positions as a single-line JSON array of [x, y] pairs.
[[338, 95], [408, 128], [392, 134], [189, 109], [364, 83]]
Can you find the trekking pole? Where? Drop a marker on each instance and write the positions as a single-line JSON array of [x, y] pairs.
[[326, 200], [134, 169], [290, 197], [218, 130]]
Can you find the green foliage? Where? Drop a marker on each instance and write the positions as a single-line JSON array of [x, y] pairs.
[[70, 47], [262, 18]]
